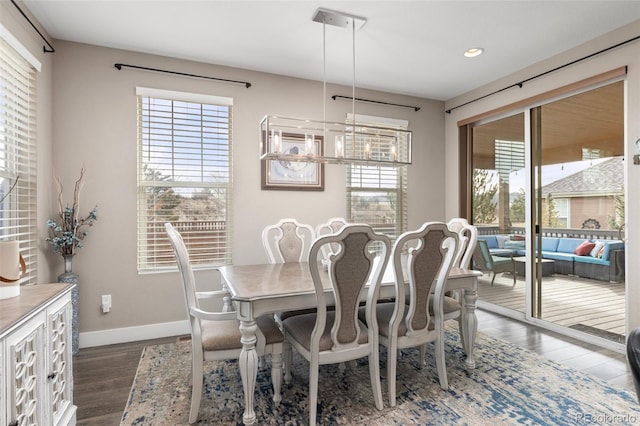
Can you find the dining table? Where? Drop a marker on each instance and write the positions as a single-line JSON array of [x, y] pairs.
[[268, 288]]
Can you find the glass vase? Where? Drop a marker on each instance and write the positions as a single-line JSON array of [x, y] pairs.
[[68, 258]]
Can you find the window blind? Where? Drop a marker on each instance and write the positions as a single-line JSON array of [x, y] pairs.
[[18, 219], [377, 195], [184, 177]]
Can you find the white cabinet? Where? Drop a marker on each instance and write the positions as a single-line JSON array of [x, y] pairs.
[[36, 371]]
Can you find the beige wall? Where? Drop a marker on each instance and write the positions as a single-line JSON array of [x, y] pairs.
[[627, 55], [94, 112], [86, 116], [598, 208]]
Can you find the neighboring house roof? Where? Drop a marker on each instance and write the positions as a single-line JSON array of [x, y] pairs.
[[606, 178]]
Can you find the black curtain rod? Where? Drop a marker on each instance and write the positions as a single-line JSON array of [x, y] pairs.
[[520, 84], [44, 48], [334, 97], [246, 84]]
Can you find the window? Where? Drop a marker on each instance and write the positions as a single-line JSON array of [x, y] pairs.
[[377, 195], [184, 177], [18, 218], [562, 206]]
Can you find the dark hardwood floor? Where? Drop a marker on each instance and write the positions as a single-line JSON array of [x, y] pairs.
[[102, 380], [103, 375]]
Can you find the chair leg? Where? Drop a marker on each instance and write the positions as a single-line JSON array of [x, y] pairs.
[[196, 388], [313, 391], [288, 359], [374, 372], [276, 376], [392, 359], [514, 273], [422, 359], [493, 278], [440, 361]]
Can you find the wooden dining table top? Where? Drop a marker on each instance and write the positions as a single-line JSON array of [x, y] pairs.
[[263, 281]]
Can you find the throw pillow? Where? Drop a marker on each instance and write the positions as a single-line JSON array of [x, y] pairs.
[[599, 246], [601, 253], [584, 248]]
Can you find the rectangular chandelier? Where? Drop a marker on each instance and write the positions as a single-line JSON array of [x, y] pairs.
[[304, 140]]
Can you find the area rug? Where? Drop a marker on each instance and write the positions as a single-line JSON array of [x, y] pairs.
[[509, 386]]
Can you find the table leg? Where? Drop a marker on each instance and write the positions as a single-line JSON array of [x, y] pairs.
[[248, 364], [469, 326]]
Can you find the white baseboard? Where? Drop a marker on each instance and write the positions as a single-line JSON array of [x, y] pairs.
[[132, 334]]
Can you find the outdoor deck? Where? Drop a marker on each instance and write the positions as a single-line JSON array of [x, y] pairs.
[[596, 307]]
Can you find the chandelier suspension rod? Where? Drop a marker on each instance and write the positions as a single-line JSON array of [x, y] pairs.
[[353, 83], [324, 76]]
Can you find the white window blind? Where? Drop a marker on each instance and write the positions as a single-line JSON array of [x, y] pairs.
[[184, 177], [18, 219], [377, 195]]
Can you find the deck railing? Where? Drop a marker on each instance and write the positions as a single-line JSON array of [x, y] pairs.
[[587, 234], [206, 241]]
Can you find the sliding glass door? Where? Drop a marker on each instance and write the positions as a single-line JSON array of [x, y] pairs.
[[547, 197], [579, 211], [498, 201]]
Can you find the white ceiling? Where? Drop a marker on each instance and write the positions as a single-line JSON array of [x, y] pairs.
[[407, 47]]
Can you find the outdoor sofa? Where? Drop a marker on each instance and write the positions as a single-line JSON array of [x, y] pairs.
[[603, 261]]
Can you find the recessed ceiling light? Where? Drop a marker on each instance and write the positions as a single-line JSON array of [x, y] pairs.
[[473, 52]]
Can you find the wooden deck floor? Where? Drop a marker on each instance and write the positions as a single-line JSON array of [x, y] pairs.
[[584, 304]]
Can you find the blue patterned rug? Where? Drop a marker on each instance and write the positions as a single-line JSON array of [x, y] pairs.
[[509, 386]]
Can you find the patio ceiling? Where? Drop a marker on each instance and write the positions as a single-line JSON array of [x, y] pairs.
[[592, 120]]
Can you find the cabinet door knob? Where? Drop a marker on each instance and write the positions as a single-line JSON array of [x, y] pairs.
[[52, 376]]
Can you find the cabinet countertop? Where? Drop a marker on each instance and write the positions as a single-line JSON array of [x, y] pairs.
[[31, 297]]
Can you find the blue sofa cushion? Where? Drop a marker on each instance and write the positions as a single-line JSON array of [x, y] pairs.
[[550, 243], [593, 260], [568, 245], [514, 245], [502, 240], [492, 241], [556, 255], [611, 245]]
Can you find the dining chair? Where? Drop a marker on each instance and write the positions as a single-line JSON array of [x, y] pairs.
[[426, 266], [467, 241], [287, 241], [484, 261], [331, 226], [216, 335], [337, 336], [633, 357]]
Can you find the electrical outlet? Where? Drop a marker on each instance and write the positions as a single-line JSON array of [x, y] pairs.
[[106, 303]]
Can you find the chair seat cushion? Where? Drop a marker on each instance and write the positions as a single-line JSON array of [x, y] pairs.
[[286, 314], [383, 314], [299, 328], [225, 335], [220, 335], [449, 305], [270, 329]]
